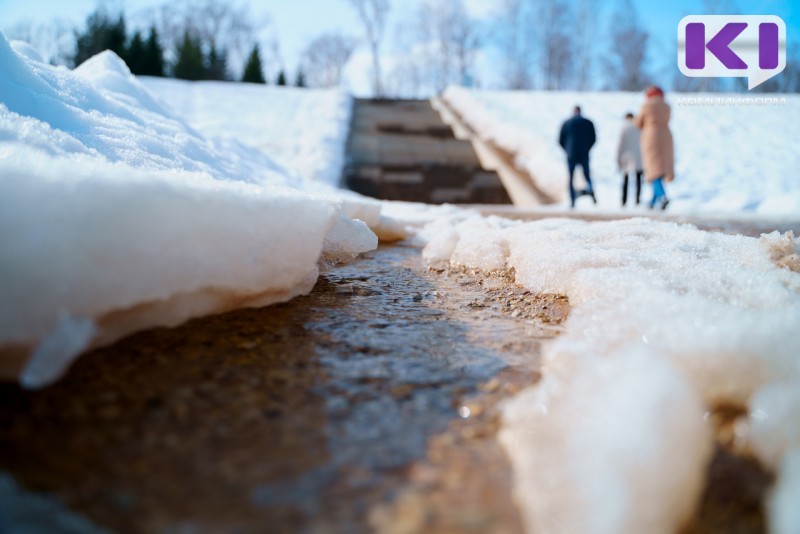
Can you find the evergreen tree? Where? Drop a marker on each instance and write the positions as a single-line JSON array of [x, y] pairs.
[[217, 64], [281, 79], [117, 37], [101, 34], [300, 81], [153, 59], [253, 71], [134, 56], [190, 64]]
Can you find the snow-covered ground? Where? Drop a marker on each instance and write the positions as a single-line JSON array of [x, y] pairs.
[[734, 158], [126, 204], [303, 130], [667, 322], [115, 215]]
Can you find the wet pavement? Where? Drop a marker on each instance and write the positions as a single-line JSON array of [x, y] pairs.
[[371, 404], [322, 414]]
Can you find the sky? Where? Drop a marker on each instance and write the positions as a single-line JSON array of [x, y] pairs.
[[296, 22]]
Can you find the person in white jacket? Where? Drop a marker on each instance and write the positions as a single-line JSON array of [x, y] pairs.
[[629, 157]]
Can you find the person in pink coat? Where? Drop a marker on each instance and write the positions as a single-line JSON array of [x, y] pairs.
[[657, 147]]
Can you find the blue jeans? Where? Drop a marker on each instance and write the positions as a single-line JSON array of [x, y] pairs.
[[571, 164], [658, 191]]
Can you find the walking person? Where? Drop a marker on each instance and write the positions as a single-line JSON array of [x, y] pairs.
[[657, 147], [629, 158], [577, 138]]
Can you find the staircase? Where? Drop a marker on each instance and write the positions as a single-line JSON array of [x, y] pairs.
[[403, 150]]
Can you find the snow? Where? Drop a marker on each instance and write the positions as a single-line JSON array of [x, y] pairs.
[[116, 216], [729, 158], [303, 130], [128, 203], [667, 322]]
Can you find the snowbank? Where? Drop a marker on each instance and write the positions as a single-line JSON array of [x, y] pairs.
[[117, 216], [728, 158], [667, 322], [303, 130]]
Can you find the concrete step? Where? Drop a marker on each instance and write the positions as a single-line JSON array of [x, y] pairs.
[[403, 150]]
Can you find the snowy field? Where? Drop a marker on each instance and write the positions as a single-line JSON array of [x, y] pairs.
[[302, 130], [728, 159], [115, 215], [667, 322]]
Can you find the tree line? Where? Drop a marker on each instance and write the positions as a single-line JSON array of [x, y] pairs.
[[555, 45], [195, 56]]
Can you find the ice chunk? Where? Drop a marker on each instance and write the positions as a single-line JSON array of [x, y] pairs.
[[607, 445], [346, 239]]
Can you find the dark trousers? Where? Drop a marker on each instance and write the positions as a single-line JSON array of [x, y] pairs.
[[638, 187], [584, 163]]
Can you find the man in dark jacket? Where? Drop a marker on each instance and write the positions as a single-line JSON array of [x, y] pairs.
[[577, 138]]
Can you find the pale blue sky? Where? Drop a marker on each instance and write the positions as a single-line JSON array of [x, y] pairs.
[[296, 22]]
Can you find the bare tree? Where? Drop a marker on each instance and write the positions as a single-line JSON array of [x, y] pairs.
[[517, 31], [626, 62], [449, 39], [374, 15], [407, 78], [584, 40], [466, 41], [556, 43], [325, 58]]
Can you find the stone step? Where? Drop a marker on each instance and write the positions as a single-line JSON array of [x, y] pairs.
[[403, 150]]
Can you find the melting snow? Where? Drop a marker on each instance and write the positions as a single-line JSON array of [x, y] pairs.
[[667, 322], [115, 215]]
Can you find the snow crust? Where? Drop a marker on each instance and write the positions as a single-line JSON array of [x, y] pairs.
[[733, 158], [115, 215], [668, 321]]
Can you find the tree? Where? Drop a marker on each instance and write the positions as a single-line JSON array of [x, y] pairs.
[[300, 79], [134, 55], [556, 44], [226, 26], [190, 64], [517, 31], [373, 15], [625, 64], [153, 59], [466, 42], [325, 59], [585, 41], [230, 27], [216, 65], [449, 40], [102, 33], [254, 71], [281, 81]]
